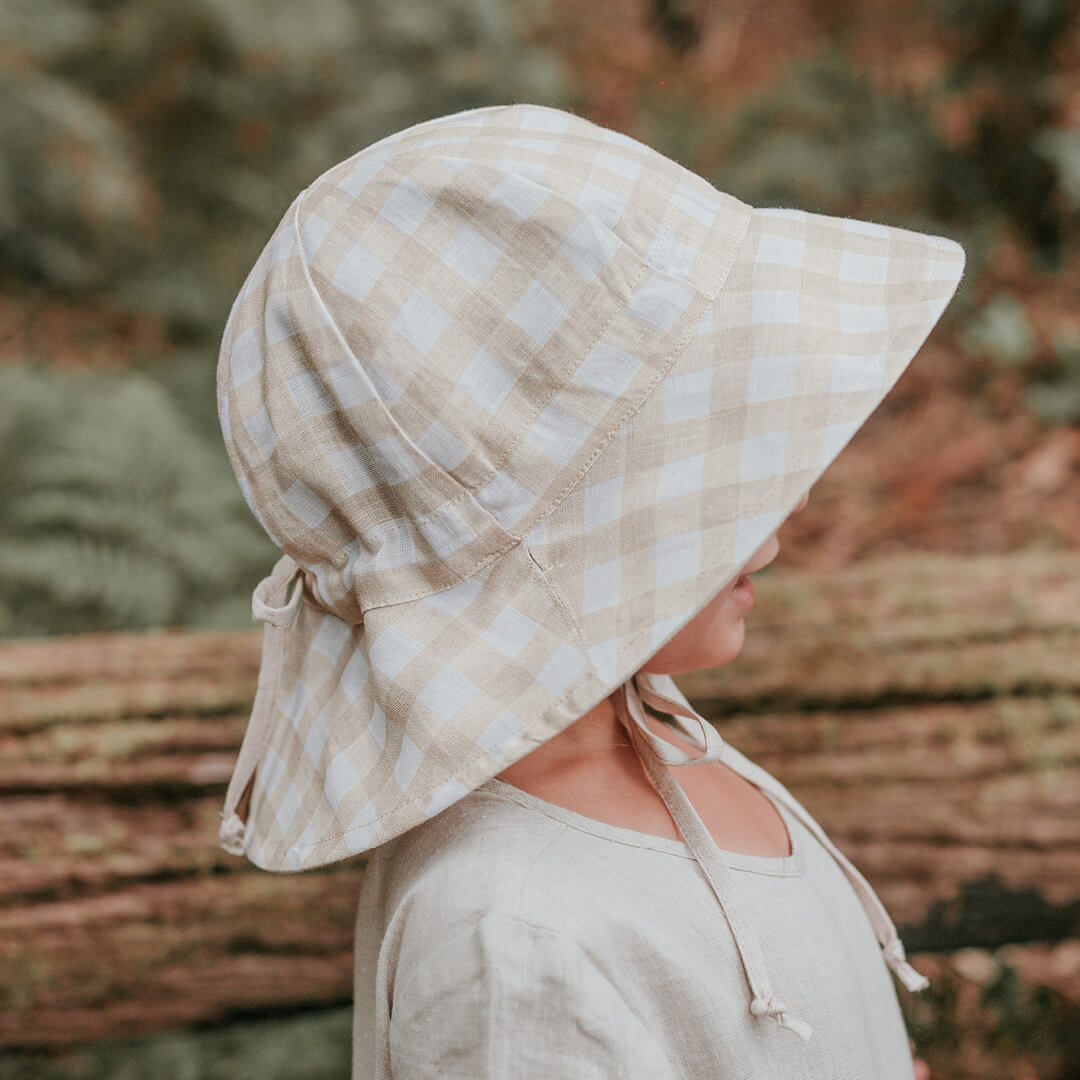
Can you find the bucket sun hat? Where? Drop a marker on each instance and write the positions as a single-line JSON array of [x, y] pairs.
[[517, 395]]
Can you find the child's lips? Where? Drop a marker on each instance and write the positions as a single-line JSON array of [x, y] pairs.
[[742, 592]]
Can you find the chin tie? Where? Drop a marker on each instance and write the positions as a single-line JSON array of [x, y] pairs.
[[661, 692]]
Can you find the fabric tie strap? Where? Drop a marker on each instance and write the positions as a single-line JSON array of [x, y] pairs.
[[647, 691], [629, 711], [269, 606], [897, 960], [884, 928], [662, 693]]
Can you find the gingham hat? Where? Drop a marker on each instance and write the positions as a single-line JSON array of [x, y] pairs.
[[517, 396]]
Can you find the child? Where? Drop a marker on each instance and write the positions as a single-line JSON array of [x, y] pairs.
[[523, 401]]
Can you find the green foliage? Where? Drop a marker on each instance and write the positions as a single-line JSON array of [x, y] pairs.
[[1001, 331], [1013, 1025], [1054, 397], [201, 121], [826, 139], [1006, 49], [117, 514], [987, 913], [312, 1046], [70, 190], [151, 149], [1062, 150]]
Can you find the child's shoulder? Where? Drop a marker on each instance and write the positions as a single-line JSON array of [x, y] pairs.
[[471, 859]]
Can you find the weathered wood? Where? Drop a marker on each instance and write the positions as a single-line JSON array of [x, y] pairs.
[[933, 793], [927, 711], [157, 955], [74, 680], [916, 628]]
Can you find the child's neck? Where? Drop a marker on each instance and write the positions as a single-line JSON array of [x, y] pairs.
[[593, 769]]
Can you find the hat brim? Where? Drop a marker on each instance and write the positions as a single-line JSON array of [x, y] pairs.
[[342, 774], [817, 319]]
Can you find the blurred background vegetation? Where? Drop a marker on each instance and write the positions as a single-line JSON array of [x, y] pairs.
[[150, 148]]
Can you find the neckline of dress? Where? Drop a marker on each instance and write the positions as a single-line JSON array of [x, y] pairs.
[[774, 865]]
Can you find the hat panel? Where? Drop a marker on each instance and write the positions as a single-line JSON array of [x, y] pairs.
[[490, 298], [609, 384], [322, 461], [423, 702], [542, 300], [645, 198]]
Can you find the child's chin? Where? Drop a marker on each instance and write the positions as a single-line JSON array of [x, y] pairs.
[[728, 647]]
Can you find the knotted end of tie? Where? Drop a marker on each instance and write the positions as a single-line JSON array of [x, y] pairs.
[[231, 834], [897, 960], [776, 1009]]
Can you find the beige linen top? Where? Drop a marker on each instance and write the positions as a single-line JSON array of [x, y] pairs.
[[511, 937]]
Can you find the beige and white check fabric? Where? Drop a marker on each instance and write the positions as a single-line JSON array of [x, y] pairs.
[[517, 396]]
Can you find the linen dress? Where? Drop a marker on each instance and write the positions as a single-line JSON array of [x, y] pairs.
[[512, 937]]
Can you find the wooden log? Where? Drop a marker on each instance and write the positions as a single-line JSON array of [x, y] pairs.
[[905, 630], [158, 955], [73, 680], [927, 711]]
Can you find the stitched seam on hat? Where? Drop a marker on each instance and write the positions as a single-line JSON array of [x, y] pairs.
[[666, 364], [565, 376], [464, 492], [560, 600], [333, 323]]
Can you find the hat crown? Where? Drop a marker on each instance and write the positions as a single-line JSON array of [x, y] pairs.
[[444, 331]]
